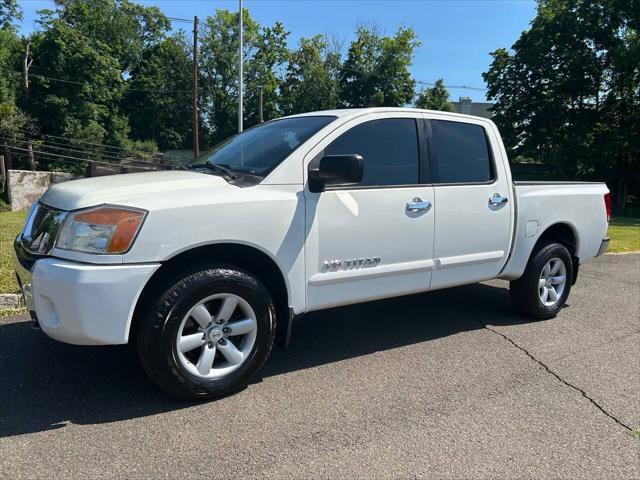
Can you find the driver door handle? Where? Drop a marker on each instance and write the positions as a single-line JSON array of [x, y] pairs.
[[497, 200], [418, 204]]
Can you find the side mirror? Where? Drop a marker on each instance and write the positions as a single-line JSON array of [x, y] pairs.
[[335, 170]]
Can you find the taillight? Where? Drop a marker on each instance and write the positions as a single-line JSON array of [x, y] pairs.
[[607, 205]]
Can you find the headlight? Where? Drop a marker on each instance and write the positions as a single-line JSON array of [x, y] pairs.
[[101, 230]]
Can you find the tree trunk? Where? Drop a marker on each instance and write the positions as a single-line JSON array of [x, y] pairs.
[[32, 160], [25, 71]]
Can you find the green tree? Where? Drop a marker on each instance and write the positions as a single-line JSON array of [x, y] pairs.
[[126, 27], [9, 54], [376, 70], [568, 91], [264, 70], [219, 65], [85, 102], [435, 98], [311, 81], [264, 51], [158, 100], [12, 119], [9, 12], [82, 56]]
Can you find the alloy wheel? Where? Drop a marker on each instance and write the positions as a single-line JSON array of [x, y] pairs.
[[552, 282], [216, 336]]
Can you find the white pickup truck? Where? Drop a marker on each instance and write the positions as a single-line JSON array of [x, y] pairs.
[[204, 267]]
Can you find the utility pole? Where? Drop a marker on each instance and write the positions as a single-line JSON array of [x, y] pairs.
[[26, 64], [194, 88], [261, 115], [240, 80]]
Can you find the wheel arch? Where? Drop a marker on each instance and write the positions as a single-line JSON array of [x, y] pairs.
[[247, 257], [562, 232], [565, 234]]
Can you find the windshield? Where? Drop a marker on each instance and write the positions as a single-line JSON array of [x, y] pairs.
[[260, 149]]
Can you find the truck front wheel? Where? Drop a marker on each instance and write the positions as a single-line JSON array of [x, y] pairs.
[[543, 288], [207, 334]]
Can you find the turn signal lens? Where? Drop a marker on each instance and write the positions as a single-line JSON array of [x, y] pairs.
[[101, 230], [607, 205]]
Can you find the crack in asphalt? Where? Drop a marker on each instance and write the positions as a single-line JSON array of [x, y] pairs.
[[558, 377]]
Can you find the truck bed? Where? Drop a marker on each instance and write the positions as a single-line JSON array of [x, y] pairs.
[[542, 204]]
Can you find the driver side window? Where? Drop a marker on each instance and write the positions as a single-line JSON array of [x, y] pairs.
[[389, 147]]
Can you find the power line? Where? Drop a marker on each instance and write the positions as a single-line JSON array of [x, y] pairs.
[[82, 163], [55, 155], [430, 84], [74, 82], [421, 82], [74, 140], [186, 20], [70, 143], [64, 149], [74, 151], [178, 19], [77, 159]]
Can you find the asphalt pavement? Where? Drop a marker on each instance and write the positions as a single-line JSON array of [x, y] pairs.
[[448, 384]]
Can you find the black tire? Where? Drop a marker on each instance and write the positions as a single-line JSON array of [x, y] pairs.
[[524, 290], [160, 320]]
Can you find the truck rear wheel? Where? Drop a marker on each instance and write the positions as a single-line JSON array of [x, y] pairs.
[[207, 334], [545, 285]]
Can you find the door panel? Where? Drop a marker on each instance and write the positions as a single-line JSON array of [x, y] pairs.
[[472, 239], [472, 230], [367, 224], [364, 242]]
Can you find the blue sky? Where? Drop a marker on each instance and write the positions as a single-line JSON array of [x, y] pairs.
[[456, 36]]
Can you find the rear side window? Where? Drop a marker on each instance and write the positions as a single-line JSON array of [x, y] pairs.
[[389, 148], [461, 152]]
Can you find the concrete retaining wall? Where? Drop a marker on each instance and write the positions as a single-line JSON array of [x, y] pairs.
[[25, 186]]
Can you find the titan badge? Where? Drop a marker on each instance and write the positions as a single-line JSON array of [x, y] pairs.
[[351, 263]]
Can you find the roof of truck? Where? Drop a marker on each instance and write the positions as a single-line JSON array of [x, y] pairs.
[[352, 112]]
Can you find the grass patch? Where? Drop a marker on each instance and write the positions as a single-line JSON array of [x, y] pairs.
[[6, 312], [635, 433], [625, 234], [10, 225]]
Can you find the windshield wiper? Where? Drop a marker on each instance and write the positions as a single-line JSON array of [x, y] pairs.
[[223, 169]]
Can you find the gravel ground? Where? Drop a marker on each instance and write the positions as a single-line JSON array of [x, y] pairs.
[[449, 384]]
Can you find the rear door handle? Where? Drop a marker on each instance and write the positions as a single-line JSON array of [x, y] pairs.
[[497, 200], [418, 204]]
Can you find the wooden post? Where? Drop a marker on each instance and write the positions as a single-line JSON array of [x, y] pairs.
[[261, 115], [194, 87], [91, 170]]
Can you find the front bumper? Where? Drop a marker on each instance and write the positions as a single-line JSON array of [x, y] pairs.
[[22, 263], [82, 304]]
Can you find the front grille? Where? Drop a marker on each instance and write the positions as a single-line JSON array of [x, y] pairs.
[[39, 216], [42, 228]]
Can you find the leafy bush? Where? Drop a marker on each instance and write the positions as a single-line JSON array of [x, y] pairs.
[[142, 149]]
